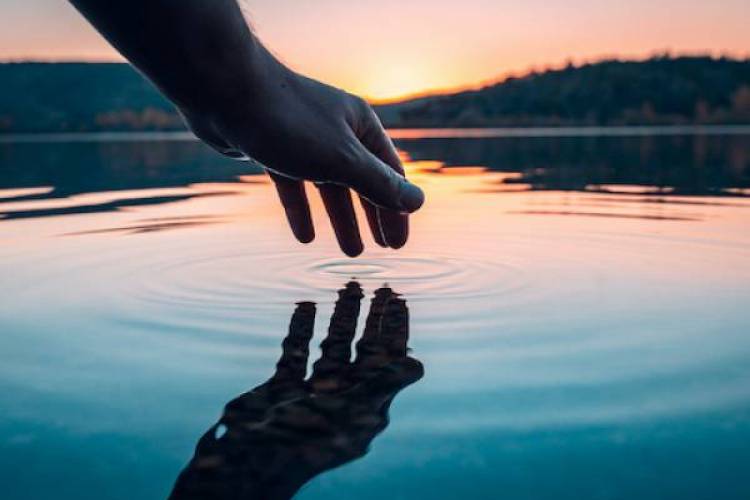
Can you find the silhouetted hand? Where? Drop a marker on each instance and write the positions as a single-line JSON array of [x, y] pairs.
[[272, 440], [301, 129], [238, 98]]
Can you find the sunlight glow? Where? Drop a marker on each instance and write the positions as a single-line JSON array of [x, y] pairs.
[[388, 49]]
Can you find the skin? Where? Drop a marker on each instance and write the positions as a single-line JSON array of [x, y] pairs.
[[278, 436], [241, 100]]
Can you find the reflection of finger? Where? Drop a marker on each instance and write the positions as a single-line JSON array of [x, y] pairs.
[[295, 348], [338, 203], [377, 307], [294, 199], [336, 348], [370, 349], [394, 330], [373, 219]]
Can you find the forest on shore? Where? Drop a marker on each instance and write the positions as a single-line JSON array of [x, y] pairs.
[[90, 97]]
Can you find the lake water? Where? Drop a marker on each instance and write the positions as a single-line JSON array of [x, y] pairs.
[[578, 300]]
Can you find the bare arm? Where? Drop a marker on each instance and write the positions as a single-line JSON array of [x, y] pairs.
[[237, 97]]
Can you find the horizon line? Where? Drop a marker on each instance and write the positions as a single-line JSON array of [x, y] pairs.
[[468, 87], [577, 63]]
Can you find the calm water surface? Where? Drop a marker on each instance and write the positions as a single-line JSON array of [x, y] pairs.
[[579, 305]]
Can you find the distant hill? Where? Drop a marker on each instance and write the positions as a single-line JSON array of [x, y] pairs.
[[658, 91], [78, 97]]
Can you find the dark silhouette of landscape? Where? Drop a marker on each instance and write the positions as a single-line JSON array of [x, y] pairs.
[[88, 97], [273, 439], [659, 91]]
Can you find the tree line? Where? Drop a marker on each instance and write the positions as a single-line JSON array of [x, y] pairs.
[[663, 90]]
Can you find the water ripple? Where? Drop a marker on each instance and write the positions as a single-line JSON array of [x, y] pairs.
[[235, 281]]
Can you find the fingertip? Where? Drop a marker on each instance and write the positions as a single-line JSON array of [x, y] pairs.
[[353, 250], [411, 197], [294, 200], [301, 226], [397, 245], [395, 228], [305, 236]]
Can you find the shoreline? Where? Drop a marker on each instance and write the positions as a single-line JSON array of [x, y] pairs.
[[407, 133]]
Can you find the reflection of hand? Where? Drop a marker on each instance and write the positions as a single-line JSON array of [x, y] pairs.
[[288, 430], [301, 129]]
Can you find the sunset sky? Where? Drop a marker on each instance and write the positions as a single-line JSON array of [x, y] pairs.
[[387, 48]]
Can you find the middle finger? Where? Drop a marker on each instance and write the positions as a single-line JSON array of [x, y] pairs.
[[338, 203]]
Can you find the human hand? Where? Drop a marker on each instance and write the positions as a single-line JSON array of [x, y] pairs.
[[286, 431], [302, 130], [237, 97]]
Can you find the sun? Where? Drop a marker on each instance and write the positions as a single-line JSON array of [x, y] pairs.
[[392, 80]]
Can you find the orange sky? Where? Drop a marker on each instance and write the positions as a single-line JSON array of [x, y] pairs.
[[385, 49]]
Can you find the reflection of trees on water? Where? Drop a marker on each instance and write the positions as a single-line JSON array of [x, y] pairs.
[[73, 168], [689, 164]]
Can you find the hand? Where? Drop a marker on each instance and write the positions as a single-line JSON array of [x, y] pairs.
[[238, 98], [300, 129], [288, 430]]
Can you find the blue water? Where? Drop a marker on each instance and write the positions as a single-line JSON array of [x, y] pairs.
[[578, 304]]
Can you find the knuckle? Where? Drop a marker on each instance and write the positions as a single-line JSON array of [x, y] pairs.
[[362, 118], [340, 164], [351, 155], [360, 104]]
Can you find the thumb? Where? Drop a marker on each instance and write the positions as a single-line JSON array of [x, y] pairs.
[[379, 183]]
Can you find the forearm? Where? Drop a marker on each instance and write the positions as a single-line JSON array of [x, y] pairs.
[[201, 54], [238, 98]]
